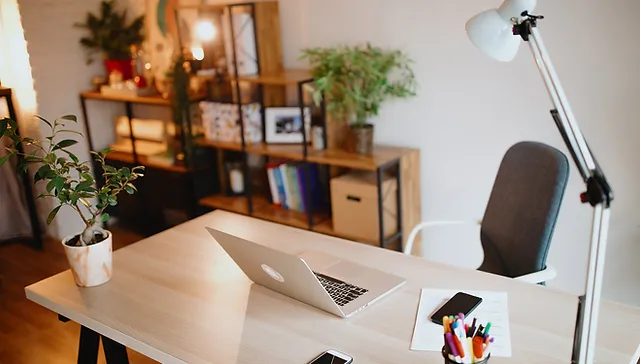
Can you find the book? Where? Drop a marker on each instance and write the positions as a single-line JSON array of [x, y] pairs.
[[291, 185], [273, 186], [282, 173], [300, 174], [297, 196]]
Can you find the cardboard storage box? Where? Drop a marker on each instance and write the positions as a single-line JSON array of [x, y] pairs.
[[354, 204]]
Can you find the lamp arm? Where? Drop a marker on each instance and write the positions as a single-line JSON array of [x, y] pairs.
[[598, 193]]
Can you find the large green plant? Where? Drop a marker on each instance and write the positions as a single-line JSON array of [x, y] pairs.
[[356, 80], [110, 34], [68, 179]]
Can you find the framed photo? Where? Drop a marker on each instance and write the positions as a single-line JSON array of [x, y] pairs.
[[284, 124]]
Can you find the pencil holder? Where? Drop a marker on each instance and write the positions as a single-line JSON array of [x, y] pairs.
[[449, 361]]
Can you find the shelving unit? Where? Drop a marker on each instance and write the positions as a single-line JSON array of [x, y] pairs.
[[186, 183], [270, 82]]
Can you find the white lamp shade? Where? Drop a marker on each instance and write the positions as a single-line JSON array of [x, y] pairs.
[[492, 30]]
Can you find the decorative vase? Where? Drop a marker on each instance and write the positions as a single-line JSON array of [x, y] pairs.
[[122, 65], [360, 139], [90, 265]]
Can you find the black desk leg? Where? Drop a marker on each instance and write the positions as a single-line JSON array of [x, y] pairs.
[[89, 344], [114, 351]]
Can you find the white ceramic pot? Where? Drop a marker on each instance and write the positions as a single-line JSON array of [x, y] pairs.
[[90, 265]]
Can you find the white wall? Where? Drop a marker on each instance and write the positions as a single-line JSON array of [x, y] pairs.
[[470, 109], [60, 74]]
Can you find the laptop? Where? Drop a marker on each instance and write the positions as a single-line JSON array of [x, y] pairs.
[[317, 279]]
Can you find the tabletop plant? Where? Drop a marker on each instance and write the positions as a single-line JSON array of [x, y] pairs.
[[68, 179], [110, 33], [356, 80]]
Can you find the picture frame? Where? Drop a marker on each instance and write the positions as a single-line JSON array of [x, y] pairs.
[[283, 124]]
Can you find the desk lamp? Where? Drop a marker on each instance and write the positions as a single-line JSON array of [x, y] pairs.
[[498, 33]]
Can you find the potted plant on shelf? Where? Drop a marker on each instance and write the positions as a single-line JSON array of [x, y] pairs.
[[70, 182], [111, 35], [355, 81]]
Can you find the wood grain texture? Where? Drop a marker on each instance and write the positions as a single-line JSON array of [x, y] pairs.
[[143, 160], [411, 198], [30, 333], [148, 100], [178, 298], [341, 158], [269, 40]]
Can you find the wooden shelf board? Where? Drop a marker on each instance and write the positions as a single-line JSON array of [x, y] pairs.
[[286, 78], [338, 157], [288, 151], [149, 100], [4, 91], [219, 144], [236, 204], [128, 158]]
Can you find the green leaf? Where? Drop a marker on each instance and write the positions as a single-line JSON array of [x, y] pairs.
[[43, 172], [14, 125], [51, 185], [4, 158], [43, 195], [70, 117], [45, 121], [130, 188], [65, 143], [104, 217], [109, 169], [87, 177], [125, 171], [53, 214]]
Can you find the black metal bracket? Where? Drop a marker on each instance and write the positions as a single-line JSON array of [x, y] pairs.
[[523, 29]]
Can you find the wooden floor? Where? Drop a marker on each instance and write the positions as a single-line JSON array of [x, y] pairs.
[[29, 333]]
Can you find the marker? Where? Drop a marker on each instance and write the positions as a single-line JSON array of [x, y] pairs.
[[453, 347], [478, 347], [458, 345], [486, 330], [480, 330], [473, 328], [445, 324], [487, 349], [470, 357]]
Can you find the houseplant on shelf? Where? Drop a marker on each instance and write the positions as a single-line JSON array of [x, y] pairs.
[[355, 81], [69, 181], [111, 35]]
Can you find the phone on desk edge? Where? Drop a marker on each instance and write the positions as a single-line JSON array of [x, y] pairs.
[[332, 357], [460, 303]]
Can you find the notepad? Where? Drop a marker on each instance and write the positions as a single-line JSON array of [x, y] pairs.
[[427, 336]]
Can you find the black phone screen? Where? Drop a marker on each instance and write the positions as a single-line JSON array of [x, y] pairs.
[[327, 358], [460, 302]]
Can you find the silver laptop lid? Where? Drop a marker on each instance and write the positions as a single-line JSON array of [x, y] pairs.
[[278, 271]]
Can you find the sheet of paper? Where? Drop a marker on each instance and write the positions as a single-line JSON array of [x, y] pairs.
[[636, 357], [494, 308]]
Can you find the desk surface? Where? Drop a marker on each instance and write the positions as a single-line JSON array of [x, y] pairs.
[[177, 297]]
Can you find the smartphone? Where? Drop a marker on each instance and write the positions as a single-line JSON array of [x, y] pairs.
[[460, 302], [332, 357]]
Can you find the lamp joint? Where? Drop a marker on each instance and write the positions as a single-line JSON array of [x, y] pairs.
[[523, 28]]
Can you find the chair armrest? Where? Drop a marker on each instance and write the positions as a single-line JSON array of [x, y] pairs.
[[423, 225], [544, 275]]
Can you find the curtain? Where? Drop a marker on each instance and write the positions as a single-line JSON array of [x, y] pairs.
[[15, 73]]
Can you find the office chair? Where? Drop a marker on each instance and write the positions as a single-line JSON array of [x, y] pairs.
[[521, 214]]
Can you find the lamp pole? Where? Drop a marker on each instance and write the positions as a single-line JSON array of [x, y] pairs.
[[598, 193]]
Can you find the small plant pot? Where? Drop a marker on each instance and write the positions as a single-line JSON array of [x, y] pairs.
[[90, 265], [360, 139], [122, 65]]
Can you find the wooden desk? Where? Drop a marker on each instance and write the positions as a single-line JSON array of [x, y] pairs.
[[177, 297]]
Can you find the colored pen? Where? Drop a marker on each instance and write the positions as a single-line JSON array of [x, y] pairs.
[[480, 330], [453, 347], [470, 357], [458, 345], [445, 324], [473, 328], [487, 348], [478, 347], [486, 329]]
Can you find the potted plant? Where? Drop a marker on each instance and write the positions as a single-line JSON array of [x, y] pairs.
[[111, 35], [69, 181], [355, 81]]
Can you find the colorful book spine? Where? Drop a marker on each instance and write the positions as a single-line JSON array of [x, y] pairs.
[[277, 172], [292, 182], [297, 188], [301, 187], [285, 184], [273, 186]]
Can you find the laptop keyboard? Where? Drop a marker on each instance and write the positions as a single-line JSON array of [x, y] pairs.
[[341, 292]]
